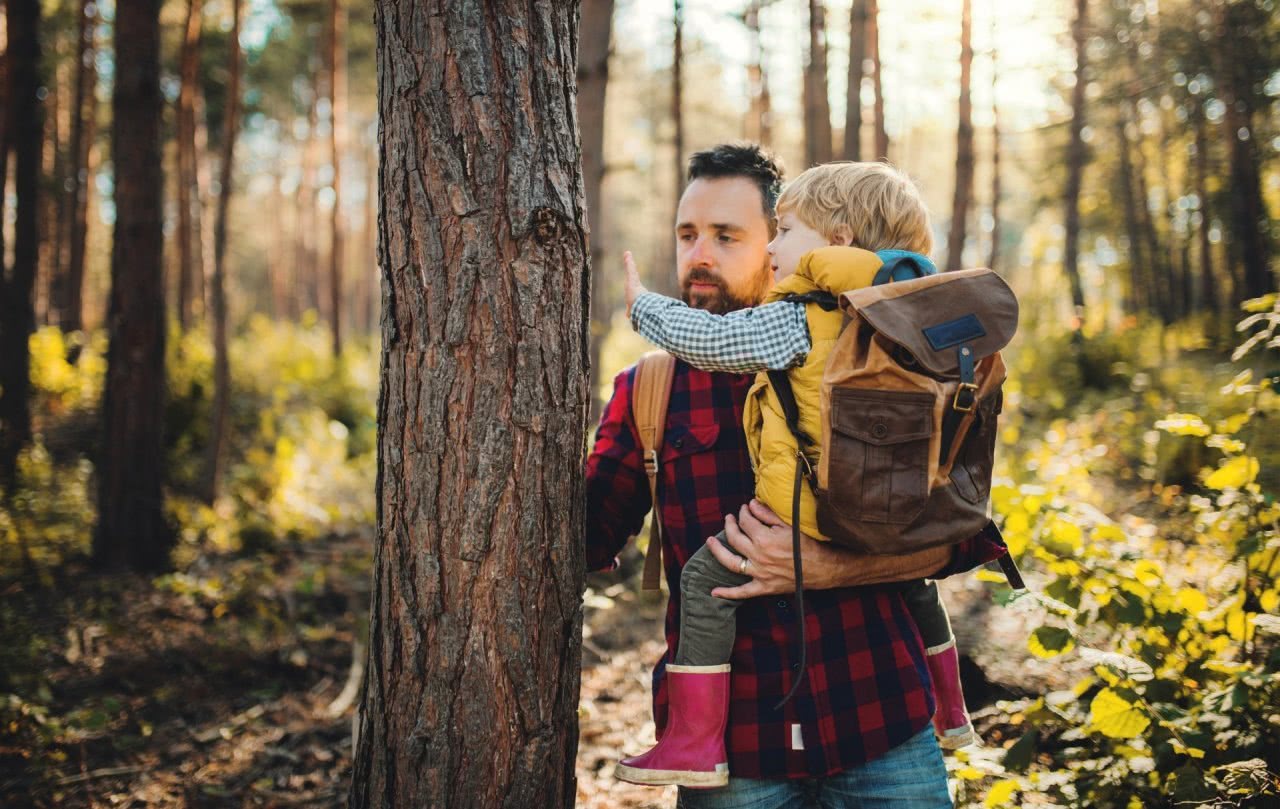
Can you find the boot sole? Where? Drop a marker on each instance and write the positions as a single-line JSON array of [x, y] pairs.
[[682, 778]]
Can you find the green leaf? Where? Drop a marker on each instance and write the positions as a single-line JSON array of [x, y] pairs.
[[1050, 641], [1113, 715], [1019, 756]]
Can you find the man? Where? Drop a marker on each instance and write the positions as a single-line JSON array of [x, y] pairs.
[[860, 725]]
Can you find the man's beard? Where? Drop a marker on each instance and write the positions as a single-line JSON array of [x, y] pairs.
[[722, 301]]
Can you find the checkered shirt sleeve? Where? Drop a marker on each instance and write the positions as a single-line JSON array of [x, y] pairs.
[[773, 336]]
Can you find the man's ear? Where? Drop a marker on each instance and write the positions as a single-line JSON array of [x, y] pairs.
[[842, 236]]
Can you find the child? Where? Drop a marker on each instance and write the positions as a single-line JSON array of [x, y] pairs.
[[830, 219]]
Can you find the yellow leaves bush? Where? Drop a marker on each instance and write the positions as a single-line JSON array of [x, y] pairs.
[[1116, 716]]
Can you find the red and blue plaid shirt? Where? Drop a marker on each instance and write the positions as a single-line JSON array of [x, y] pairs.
[[867, 688]]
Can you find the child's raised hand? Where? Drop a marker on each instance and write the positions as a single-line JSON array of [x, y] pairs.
[[634, 288]]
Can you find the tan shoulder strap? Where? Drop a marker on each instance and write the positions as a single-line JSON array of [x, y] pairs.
[[649, 397]]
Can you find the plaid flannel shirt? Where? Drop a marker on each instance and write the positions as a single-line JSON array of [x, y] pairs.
[[867, 688], [772, 336]]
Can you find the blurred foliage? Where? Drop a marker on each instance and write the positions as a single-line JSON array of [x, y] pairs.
[[301, 453], [1161, 587]]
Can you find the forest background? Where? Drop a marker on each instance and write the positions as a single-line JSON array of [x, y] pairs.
[[1116, 160]]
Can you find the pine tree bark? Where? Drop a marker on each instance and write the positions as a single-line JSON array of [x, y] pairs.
[[216, 448], [873, 45], [337, 143], [853, 93], [24, 127], [471, 690], [131, 528], [1138, 298], [83, 129], [190, 263], [1249, 221], [677, 94], [994, 255], [817, 107], [1075, 161], [593, 77], [963, 194], [1209, 297]]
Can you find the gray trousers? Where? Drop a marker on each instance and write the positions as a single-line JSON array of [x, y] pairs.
[[708, 624]]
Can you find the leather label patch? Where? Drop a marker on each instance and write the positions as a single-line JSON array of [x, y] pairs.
[[954, 332]]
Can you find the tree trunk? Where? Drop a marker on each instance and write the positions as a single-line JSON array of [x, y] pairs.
[[471, 691], [53, 208], [677, 93], [857, 56], [306, 254], [218, 287], [1248, 223], [994, 255], [131, 527], [190, 266], [83, 128], [17, 286], [964, 146], [337, 120], [593, 76], [873, 45], [817, 108], [1139, 292], [1209, 297], [1075, 163]]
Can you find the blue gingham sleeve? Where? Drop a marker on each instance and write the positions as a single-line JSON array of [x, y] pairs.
[[770, 337]]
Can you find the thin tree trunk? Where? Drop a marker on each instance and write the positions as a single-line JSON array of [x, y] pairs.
[[471, 689], [873, 45], [963, 194], [337, 120], [202, 231], [994, 255], [677, 93], [190, 266], [307, 253], [1139, 293], [857, 56], [50, 293], [218, 287], [593, 77], [1209, 297], [1075, 163], [17, 286], [83, 129], [131, 526], [1248, 223], [817, 108]]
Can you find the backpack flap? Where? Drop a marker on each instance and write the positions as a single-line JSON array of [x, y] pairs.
[[934, 317]]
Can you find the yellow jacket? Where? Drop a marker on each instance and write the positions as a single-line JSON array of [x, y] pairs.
[[770, 442]]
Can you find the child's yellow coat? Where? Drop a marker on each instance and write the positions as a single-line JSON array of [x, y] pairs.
[[772, 446]]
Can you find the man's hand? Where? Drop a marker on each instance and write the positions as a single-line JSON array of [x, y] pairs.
[[764, 540], [634, 288]]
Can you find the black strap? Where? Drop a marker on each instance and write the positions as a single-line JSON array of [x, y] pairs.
[[825, 300], [801, 462], [790, 410], [804, 470]]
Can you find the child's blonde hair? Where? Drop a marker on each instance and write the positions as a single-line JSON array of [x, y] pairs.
[[874, 203]]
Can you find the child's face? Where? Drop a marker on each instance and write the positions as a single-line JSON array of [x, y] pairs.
[[794, 239]]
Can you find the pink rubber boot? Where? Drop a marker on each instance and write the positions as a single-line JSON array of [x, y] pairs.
[[691, 751], [951, 718]]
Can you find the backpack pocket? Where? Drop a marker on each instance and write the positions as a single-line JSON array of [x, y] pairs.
[[878, 462], [971, 474]]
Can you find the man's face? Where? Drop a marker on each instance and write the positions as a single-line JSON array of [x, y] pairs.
[[721, 237]]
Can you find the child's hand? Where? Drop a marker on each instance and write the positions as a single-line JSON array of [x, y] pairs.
[[634, 288]]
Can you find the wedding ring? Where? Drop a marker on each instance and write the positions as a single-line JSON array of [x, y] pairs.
[[742, 567]]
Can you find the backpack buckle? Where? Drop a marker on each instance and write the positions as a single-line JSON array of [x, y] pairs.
[[966, 393], [651, 462]]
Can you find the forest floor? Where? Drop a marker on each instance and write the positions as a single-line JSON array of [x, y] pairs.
[[221, 687]]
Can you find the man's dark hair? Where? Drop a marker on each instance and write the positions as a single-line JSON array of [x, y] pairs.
[[741, 159]]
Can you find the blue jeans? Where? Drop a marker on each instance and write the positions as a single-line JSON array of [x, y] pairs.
[[910, 776]]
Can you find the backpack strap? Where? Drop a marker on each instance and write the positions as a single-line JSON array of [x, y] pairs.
[[804, 471], [821, 297], [650, 395]]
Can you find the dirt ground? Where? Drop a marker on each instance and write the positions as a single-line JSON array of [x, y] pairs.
[[154, 699]]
